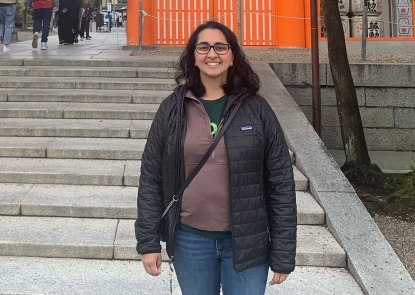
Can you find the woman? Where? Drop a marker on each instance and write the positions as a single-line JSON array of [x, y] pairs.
[[238, 216], [86, 18], [68, 21]]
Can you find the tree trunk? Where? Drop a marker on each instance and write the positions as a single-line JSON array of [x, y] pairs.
[[353, 138]]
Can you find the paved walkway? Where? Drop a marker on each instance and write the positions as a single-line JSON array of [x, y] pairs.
[[388, 161], [103, 46]]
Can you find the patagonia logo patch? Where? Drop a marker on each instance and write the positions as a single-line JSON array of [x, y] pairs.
[[243, 128]]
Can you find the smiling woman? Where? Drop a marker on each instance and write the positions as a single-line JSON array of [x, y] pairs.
[[213, 64], [237, 215]]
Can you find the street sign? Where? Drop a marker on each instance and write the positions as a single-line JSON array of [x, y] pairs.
[[108, 6]]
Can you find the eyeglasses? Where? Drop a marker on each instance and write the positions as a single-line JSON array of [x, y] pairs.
[[219, 48]]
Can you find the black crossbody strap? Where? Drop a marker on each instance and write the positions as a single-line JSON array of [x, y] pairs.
[[202, 162]]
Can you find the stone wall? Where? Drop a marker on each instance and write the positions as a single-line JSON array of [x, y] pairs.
[[386, 96]]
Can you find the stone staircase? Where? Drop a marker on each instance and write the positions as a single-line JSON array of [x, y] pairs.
[[71, 140]]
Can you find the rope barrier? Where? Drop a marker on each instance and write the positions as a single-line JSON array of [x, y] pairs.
[[247, 12]]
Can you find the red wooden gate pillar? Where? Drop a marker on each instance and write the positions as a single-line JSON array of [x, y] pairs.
[[133, 25], [291, 24]]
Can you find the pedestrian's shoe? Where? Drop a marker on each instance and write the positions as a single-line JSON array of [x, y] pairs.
[[75, 39], [82, 39], [35, 38], [61, 42], [44, 46], [88, 38], [6, 48]]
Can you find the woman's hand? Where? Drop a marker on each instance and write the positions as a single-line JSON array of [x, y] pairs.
[[278, 278], [152, 263]]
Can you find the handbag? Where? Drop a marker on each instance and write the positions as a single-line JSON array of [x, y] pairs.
[[176, 197]]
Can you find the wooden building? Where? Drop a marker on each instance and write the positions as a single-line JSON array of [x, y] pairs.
[[265, 23]]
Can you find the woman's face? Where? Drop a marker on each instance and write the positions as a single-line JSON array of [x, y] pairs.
[[213, 65]]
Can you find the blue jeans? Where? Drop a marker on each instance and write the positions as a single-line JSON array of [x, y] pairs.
[[7, 14], [202, 265], [41, 20]]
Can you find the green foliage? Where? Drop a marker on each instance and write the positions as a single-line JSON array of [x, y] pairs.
[[412, 166], [95, 3]]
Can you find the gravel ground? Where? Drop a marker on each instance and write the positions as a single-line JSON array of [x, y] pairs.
[[400, 234]]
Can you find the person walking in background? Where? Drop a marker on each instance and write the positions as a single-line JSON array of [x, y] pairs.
[[226, 206], [109, 17], [119, 20], [8, 10], [86, 18], [42, 15], [68, 21]]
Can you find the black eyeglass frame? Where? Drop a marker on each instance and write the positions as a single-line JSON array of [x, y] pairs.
[[212, 46]]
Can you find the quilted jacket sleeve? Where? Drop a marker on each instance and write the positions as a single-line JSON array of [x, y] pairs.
[[150, 196], [280, 195]]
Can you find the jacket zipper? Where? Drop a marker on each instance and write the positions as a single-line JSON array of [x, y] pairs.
[[212, 138], [230, 204]]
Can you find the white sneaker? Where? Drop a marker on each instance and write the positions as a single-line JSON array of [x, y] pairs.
[[34, 42], [6, 48], [44, 46]]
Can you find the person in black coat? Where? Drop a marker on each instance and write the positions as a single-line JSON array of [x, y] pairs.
[[68, 21], [238, 217]]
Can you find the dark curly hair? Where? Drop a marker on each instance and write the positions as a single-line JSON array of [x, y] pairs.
[[240, 77]]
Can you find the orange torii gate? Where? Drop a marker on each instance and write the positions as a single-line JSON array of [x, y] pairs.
[[265, 23]]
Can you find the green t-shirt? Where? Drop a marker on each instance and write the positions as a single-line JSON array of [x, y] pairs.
[[214, 109]]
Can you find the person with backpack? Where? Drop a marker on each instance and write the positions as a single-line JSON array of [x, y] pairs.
[[42, 15]]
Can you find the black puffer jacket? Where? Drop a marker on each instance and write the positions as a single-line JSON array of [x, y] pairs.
[[262, 192]]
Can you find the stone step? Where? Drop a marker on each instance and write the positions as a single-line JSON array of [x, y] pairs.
[[58, 110], [147, 62], [34, 275], [62, 237], [103, 72], [84, 172], [83, 95], [102, 202], [74, 148], [74, 128], [90, 83], [62, 171]]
